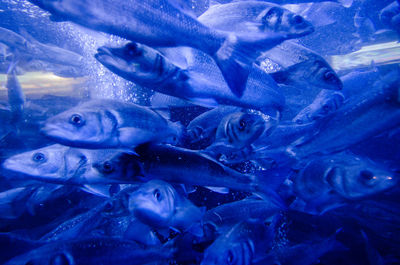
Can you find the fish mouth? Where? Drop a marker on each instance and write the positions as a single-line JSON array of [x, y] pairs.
[[11, 165]]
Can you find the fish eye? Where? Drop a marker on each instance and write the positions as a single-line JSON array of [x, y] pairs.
[[230, 257], [274, 12], [60, 259], [326, 108], [366, 175], [157, 194], [329, 76], [107, 167], [242, 125], [77, 120], [298, 19], [132, 49], [38, 157]]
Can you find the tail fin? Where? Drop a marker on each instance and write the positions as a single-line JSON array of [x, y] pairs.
[[236, 55], [346, 3]]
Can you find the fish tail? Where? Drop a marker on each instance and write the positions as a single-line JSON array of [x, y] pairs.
[[346, 3], [237, 54]]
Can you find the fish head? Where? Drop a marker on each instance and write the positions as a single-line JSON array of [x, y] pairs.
[[154, 203], [282, 20], [240, 129], [229, 253], [359, 179], [316, 72], [320, 108], [44, 163], [134, 61], [83, 127]]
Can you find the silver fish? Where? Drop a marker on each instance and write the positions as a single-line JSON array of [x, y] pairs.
[[93, 250], [248, 16], [329, 181], [205, 125], [326, 103], [242, 244], [16, 96], [159, 205], [33, 49], [110, 124], [202, 85]]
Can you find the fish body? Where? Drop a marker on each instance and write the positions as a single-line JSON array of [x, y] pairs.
[[340, 177], [361, 117], [325, 103], [247, 16], [95, 250], [242, 244], [205, 125], [390, 16], [34, 49], [202, 85], [159, 205], [16, 97], [229, 214], [108, 124], [130, 20], [168, 162], [300, 65], [73, 166]]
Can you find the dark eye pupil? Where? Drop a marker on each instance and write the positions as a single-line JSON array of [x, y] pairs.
[[230, 257], [329, 76], [367, 175], [38, 157], [242, 125], [107, 167], [298, 19], [157, 194], [76, 119], [132, 49]]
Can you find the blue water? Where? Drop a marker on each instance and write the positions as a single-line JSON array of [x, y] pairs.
[[327, 171]]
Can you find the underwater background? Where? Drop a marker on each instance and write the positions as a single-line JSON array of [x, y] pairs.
[[199, 132]]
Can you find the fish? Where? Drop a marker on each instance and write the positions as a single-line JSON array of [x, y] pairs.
[[390, 16], [107, 123], [93, 250], [303, 253], [329, 181], [374, 110], [244, 243], [227, 215], [345, 3], [16, 96], [88, 169], [159, 205], [168, 162], [326, 103], [253, 16], [233, 54], [237, 132], [205, 125], [205, 87], [31, 48], [299, 65]]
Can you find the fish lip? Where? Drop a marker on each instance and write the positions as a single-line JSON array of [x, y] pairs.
[[103, 50]]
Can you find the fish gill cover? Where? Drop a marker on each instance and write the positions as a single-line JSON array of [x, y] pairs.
[[199, 132]]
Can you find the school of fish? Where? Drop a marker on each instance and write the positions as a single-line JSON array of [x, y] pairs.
[[203, 132]]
